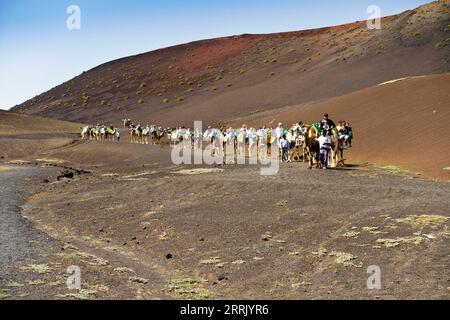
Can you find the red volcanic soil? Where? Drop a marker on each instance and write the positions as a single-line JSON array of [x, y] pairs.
[[402, 123], [226, 78]]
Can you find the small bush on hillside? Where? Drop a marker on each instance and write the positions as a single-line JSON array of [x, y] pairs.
[[165, 101], [180, 99], [104, 103], [415, 34], [141, 101], [439, 45], [218, 78]]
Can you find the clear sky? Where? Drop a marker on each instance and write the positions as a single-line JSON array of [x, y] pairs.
[[38, 52]]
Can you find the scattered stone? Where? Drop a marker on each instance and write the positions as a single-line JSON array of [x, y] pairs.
[[222, 277], [65, 175], [266, 236]]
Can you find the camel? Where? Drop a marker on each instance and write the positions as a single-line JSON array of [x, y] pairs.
[[230, 142], [176, 136], [135, 134], [337, 150], [217, 143], [157, 134], [85, 133], [262, 144], [127, 123], [241, 137], [312, 146], [253, 143]]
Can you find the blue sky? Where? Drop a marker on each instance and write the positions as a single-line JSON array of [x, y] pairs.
[[38, 52]]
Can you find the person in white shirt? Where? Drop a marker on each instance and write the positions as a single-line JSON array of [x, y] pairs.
[[117, 135], [284, 145], [279, 132], [325, 147]]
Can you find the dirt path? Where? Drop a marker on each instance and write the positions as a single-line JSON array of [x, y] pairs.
[[16, 234]]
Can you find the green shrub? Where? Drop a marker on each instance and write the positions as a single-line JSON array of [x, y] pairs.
[[165, 101], [415, 34], [141, 101], [218, 78], [439, 45], [104, 103]]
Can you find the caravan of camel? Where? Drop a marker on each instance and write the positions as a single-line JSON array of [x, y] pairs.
[[302, 140]]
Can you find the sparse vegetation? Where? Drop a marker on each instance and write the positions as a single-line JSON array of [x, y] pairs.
[[138, 280], [141, 101], [189, 288], [38, 268]]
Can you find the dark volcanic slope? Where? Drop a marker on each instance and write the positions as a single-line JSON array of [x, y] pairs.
[[221, 79]]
